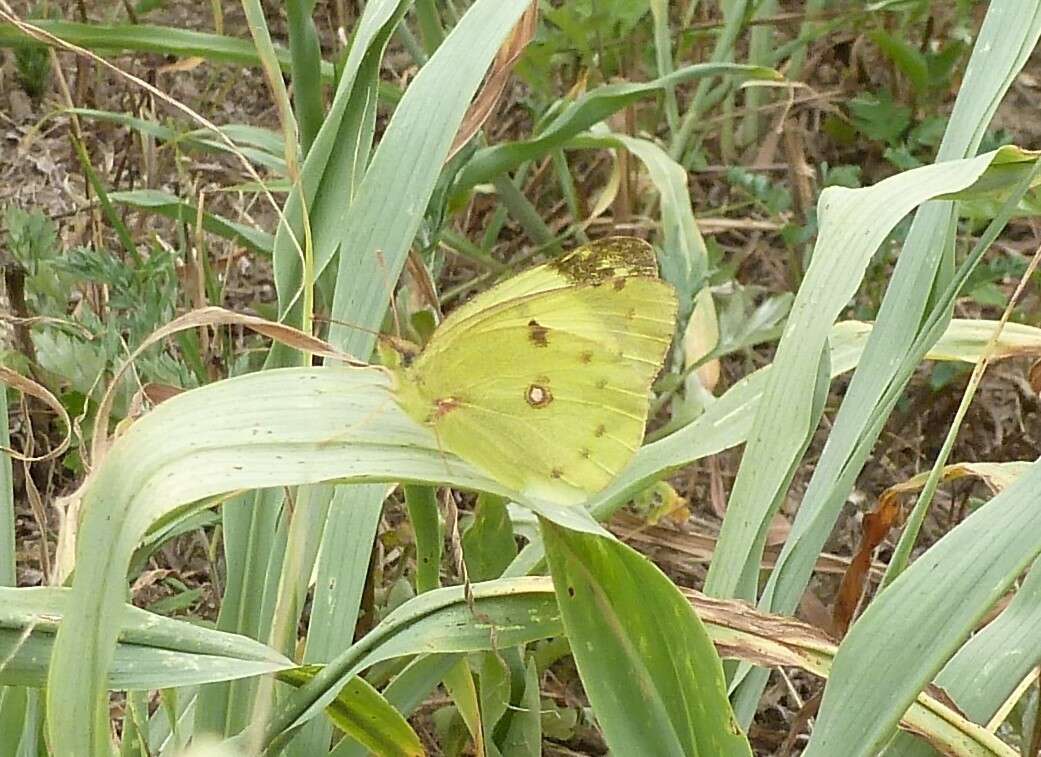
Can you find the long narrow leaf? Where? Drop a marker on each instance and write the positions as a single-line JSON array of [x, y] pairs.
[[145, 38], [168, 205], [647, 664], [853, 222], [1001, 50], [957, 580], [580, 115]]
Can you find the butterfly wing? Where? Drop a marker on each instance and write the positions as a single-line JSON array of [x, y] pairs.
[[546, 388], [606, 260]]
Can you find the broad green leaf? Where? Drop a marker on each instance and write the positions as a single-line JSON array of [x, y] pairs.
[[647, 664]]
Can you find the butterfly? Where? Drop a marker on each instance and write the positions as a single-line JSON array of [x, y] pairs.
[[543, 381]]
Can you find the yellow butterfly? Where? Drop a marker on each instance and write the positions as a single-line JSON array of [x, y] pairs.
[[543, 381]]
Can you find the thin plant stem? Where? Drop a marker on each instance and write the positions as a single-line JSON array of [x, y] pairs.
[[914, 523]]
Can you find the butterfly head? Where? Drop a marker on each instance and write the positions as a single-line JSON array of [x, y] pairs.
[[396, 353]]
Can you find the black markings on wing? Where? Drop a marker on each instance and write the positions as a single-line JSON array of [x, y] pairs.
[[537, 333], [581, 310], [538, 395], [605, 414], [608, 259]]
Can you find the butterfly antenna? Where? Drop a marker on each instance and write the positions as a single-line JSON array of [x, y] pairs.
[[389, 289], [348, 324]]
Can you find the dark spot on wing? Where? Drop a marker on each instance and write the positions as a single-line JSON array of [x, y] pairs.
[[538, 396], [619, 284], [601, 384], [443, 406], [556, 473], [586, 356], [630, 314], [584, 453], [537, 333], [600, 430]]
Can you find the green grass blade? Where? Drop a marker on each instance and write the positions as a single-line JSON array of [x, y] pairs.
[[158, 40], [295, 568], [524, 738], [734, 14], [350, 532], [640, 648], [590, 108], [362, 713], [154, 651], [14, 719], [897, 646], [272, 72], [306, 57], [260, 146], [406, 692], [8, 576], [663, 59], [999, 54], [122, 233], [989, 667], [852, 225], [761, 45], [429, 25], [170, 206], [398, 184], [421, 502], [12, 699]]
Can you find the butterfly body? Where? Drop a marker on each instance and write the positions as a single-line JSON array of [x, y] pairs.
[[543, 380]]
